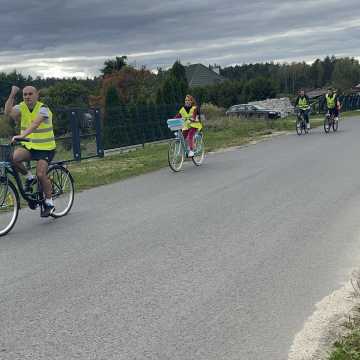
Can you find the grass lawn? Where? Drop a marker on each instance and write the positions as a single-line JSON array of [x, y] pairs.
[[219, 134]]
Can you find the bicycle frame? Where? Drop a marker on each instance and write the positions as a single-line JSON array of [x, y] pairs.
[[180, 136], [300, 117], [6, 169], [331, 117]]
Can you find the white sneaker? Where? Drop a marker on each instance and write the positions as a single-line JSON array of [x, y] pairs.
[[191, 153], [308, 126], [336, 118]]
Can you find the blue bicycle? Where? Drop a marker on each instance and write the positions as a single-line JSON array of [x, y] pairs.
[[178, 148]]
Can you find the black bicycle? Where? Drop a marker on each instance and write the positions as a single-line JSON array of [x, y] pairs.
[[301, 123], [330, 122], [62, 190]]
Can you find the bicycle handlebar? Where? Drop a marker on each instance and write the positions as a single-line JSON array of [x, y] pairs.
[[20, 140]]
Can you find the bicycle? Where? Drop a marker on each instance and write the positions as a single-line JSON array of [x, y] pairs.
[[178, 148], [62, 190], [330, 122], [301, 123]]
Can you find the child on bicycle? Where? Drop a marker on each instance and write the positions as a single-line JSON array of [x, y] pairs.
[[190, 113]]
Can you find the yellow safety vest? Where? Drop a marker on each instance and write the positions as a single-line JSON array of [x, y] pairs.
[[188, 116], [330, 101], [41, 138], [303, 104]]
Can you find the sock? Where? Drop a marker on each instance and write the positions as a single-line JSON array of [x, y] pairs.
[[49, 202]]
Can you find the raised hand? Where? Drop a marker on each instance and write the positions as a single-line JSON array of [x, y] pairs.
[[14, 90]]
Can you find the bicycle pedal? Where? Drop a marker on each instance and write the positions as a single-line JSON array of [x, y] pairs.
[[32, 205]]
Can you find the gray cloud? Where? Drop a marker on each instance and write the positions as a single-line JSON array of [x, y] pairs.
[[74, 37]]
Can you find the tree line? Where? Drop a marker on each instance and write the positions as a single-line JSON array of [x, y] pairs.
[[243, 83], [135, 102]]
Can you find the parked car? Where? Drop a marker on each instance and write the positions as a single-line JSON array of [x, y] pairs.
[[249, 110]]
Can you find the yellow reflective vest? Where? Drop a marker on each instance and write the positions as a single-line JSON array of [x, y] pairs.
[[330, 101], [303, 103], [188, 116], [41, 138]]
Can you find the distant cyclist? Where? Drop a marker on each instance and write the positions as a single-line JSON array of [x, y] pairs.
[[332, 104], [302, 103], [190, 113], [36, 126]]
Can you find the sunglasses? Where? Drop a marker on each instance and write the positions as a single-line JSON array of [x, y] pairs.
[[26, 94]]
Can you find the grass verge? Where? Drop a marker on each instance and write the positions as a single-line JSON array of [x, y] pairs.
[[348, 347], [219, 133]]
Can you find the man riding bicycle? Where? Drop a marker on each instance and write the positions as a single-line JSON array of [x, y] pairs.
[[36, 126], [302, 103], [332, 104]]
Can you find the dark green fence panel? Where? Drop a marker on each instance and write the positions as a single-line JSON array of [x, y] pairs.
[[128, 125]]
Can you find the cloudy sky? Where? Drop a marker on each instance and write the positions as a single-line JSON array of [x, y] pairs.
[[75, 37]]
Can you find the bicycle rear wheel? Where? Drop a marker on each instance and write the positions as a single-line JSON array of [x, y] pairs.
[[63, 190], [198, 158], [175, 155], [305, 125], [9, 206], [335, 125]]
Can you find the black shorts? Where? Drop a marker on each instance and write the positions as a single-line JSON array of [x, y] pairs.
[[334, 111], [46, 155]]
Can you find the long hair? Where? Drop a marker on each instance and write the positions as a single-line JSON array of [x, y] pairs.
[[192, 99]]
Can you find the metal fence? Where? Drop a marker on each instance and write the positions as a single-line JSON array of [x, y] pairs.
[[348, 103], [78, 133], [83, 133], [140, 124]]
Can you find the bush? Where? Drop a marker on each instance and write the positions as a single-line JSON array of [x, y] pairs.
[[211, 111], [7, 128]]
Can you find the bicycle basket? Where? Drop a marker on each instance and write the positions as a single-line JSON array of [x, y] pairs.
[[175, 124], [5, 153]]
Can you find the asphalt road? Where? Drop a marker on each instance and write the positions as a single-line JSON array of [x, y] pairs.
[[225, 261]]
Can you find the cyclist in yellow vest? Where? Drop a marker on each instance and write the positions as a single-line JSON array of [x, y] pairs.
[[302, 103], [190, 113], [332, 104], [36, 126]]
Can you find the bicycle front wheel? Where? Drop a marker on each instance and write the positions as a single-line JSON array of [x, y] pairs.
[[199, 155], [175, 155], [63, 190], [298, 126], [9, 206], [327, 124]]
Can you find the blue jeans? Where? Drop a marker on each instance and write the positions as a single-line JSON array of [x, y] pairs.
[[305, 113]]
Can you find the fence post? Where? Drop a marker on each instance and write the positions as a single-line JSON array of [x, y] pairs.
[[142, 123], [75, 135], [99, 143]]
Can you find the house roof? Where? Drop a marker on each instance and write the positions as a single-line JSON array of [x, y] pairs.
[[316, 92], [200, 75]]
